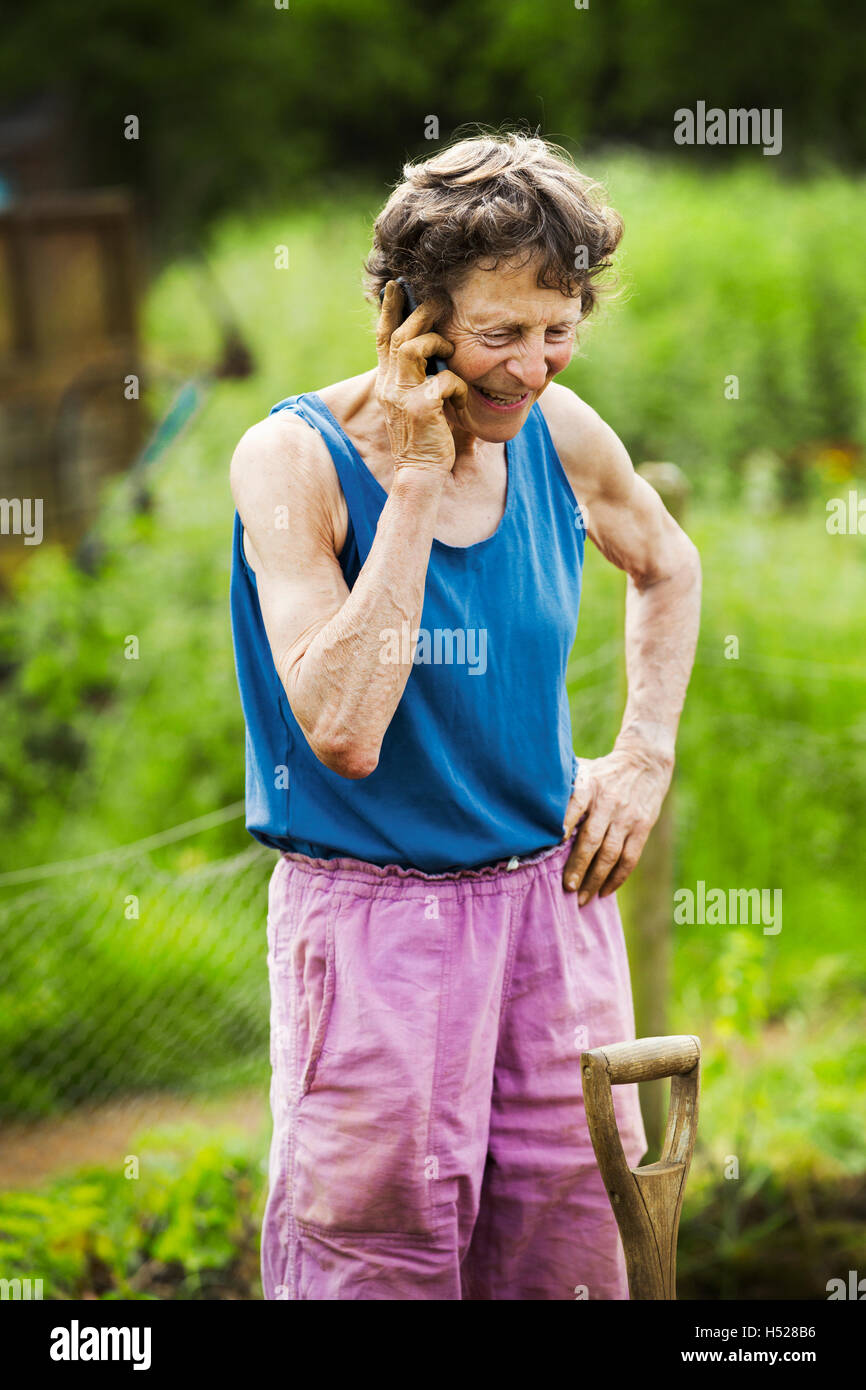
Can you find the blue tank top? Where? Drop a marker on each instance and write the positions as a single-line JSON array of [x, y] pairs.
[[477, 763]]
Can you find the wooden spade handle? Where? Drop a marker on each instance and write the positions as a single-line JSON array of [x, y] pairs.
[[648, 1059], [646, 1201]]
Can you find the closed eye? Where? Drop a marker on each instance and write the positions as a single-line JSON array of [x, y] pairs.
[[558, 334]]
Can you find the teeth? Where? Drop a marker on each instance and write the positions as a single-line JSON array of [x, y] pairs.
[[500, 400]]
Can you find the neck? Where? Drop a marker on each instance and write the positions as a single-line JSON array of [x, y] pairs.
[[474, 456]]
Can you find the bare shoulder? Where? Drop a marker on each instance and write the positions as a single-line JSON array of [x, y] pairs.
[[272, 452], [624, 515], [282, 460], [592, 454]]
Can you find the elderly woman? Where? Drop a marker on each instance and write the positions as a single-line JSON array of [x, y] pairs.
[[443, 932]]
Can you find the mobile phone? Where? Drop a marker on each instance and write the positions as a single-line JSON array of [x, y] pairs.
[[410, 304]]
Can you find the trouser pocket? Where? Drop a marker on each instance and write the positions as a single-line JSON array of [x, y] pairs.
[[301, 935], [363, 1151]]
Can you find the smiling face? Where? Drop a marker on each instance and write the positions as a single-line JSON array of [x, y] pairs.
[[511, 338]]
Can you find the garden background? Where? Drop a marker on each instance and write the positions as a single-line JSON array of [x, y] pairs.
[[133, 991]]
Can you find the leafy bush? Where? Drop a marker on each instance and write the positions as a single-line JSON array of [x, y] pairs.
[[187, 1228]]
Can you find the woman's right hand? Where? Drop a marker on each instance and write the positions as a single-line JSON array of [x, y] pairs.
[[421, 438]]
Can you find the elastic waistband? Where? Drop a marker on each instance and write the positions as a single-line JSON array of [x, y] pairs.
[[393, 880]]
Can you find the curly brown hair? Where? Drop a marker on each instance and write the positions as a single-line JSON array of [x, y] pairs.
[[494, 196]]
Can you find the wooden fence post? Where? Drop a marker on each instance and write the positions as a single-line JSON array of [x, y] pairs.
[[648, 893]]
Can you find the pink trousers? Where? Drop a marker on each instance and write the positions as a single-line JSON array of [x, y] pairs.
[[430, 1140]]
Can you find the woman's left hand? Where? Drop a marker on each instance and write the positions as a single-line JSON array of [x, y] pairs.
[[617, 798]]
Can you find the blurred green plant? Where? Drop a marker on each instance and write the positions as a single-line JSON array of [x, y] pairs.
[[95, 1001], [186, 1228], [247, 101]]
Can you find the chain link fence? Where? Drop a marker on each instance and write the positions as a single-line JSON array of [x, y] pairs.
[[118, 976]]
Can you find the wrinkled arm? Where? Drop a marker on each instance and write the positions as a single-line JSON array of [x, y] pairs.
[[633, 529], [620, 795], [326, 640]]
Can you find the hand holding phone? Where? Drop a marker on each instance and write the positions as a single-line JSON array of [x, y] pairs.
[[410, 304], [426, 416]]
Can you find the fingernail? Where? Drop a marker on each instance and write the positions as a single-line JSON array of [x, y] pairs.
[[571, 884], [582, 899]]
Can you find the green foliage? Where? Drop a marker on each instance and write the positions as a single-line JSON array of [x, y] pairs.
[[87, 732], [240, 103], [724, 276], [94, 1002], [767, 1234], [186, 1228]]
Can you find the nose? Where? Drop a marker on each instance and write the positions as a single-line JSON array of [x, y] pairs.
[[530, 366]]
